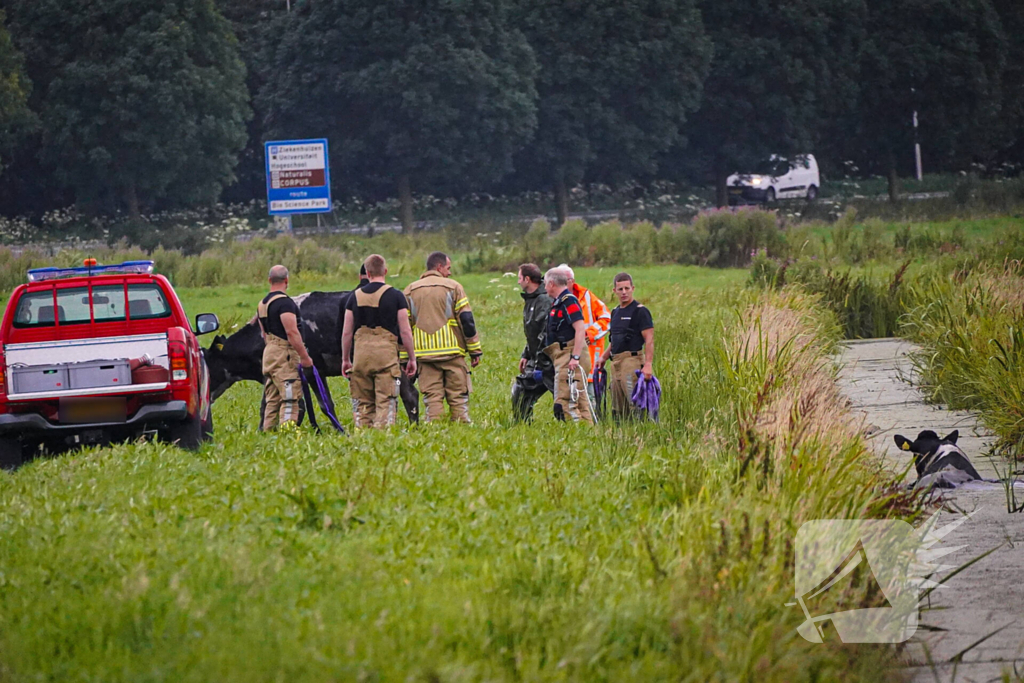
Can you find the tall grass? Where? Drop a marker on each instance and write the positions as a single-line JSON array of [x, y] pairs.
[[455, 553], [721, 239], [867, 306], [971, 330], [731, 238]]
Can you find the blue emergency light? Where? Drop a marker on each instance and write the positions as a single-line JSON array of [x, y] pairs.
[[92, 268]]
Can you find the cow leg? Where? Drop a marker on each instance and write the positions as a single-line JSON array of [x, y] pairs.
[[263, 411], [410, 397]]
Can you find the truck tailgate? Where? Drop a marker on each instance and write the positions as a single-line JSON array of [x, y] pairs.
[[52, 354]]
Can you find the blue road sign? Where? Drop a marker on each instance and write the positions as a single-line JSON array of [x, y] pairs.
[[298, 177]]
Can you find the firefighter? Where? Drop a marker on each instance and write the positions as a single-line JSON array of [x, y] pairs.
[[566, 345], [445, 333], [528, 387], [363, 281], [597, 317], [375, 321], [283, 353], [631, 348]]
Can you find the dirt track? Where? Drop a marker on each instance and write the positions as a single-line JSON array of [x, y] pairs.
[[990, 594]]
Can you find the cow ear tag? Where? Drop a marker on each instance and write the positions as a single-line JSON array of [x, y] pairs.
[[219, 347], [906, 445]]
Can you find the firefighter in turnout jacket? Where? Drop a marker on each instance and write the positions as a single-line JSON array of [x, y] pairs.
[[566, 347], [444, 333], [375, 321], [283, 353]]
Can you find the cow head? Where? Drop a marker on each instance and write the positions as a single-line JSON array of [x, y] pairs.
[[925, 445], [233, 359]]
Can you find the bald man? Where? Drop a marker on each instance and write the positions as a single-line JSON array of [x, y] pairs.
[[284, 352]]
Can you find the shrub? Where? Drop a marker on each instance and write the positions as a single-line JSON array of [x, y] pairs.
[[533, 241], [608, 243], [683, 244], [641, 242], [735, 236], [569, 244]]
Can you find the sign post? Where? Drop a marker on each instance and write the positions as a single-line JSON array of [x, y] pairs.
[[298, 177]]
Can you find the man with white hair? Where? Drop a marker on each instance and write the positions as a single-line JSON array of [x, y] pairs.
[[598, 319], [566, 340]]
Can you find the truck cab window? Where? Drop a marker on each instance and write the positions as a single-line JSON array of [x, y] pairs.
[[147, 301], [73, 305], [108, 303]]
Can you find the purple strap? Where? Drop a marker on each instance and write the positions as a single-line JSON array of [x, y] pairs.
[[320, 392], [600, 385], [647, 395]]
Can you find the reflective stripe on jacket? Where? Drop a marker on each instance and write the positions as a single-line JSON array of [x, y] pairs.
[[598, 319], [441, 318]]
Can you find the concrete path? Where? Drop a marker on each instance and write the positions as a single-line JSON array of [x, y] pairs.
[[988, 595]]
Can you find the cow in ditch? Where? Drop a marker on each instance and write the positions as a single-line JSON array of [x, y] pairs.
[[940, 463], [239, 357]]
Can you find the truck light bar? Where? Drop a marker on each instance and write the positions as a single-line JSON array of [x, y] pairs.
[[126, 268]]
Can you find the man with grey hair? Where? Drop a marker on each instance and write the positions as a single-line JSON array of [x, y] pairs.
[[284, 352], [566, 343], [598, 319]]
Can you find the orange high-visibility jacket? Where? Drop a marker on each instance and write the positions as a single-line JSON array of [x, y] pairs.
[[598, 319]]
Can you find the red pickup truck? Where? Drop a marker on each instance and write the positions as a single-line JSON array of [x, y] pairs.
[[95, 354]]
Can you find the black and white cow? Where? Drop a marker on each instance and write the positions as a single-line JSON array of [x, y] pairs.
[[239, 357], [940, 463]]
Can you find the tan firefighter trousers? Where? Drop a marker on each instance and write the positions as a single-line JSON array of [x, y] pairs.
[[624, 367], [374, 377], [571, 391], [449, 380], [282, 386]]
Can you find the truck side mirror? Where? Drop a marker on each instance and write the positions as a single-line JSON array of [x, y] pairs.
[[207, 322]]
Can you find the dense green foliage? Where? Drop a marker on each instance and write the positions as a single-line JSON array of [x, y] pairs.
[[616, 82], [501, 97], [942, 58], [781, 71], [140, 102], [492, 552], [14, 90], [413, 95]]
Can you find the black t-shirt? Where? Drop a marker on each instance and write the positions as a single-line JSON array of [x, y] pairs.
[[627, 325], [392, 302], [283, 304], [564, 312]]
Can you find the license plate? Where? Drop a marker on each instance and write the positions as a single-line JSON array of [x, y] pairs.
[[92, 410], [736, 190]]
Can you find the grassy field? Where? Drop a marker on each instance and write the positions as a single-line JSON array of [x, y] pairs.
[[494, 552]]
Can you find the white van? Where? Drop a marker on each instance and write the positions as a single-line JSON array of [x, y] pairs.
[[777, 178]]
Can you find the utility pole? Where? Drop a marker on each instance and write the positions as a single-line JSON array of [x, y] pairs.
[[917, 148], [289, 4], [917, 142]]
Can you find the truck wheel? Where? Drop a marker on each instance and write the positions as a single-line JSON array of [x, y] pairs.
[[208, 427], [812, 193], [10, 454], [769, 196], [187, 434]]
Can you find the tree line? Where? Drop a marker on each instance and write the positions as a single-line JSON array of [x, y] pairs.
[[140, 105]]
